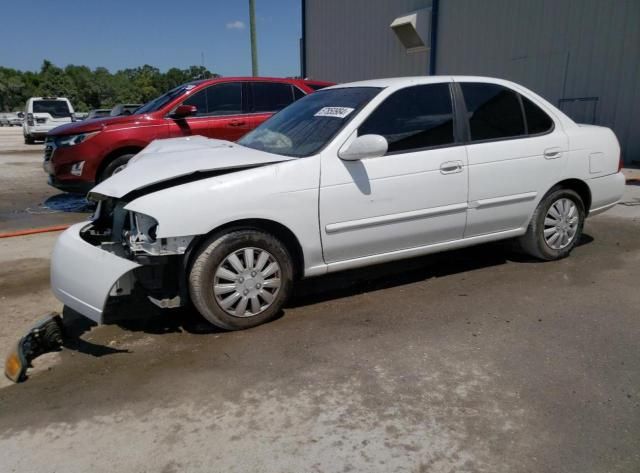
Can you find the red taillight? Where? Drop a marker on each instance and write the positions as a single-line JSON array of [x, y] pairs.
[[30, 119]]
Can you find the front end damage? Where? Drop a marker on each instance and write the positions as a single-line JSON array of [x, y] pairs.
[[95, 263]]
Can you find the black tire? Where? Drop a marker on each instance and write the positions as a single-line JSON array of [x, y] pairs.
[[533, 242], [213, 253], [113, 166], [28, 140]]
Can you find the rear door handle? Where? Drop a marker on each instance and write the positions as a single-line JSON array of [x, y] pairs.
[[552, 153], [237, 123], [451, 167]]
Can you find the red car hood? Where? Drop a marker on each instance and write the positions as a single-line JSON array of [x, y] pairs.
[[94, 124]]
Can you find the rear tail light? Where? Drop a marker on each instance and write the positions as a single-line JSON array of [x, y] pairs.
[[30, 119]]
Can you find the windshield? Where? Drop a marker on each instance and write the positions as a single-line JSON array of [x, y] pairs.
[[55, 108], [306, 126], [159, 102]]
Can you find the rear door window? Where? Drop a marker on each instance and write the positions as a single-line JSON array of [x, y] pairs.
[[413, 118], [270, 96], [55, 108], [494, 111]]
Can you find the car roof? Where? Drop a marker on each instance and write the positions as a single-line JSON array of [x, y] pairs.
[[398, 82], [291, 80]]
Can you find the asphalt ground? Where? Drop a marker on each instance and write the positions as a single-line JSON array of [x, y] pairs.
[[478, 360]]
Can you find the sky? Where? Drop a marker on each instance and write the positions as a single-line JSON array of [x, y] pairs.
[[117, 34]]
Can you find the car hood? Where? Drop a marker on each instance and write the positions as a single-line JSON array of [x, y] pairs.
[[94, 124], [178, 160]]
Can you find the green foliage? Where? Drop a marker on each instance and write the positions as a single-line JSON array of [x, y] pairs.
[[89, 89]]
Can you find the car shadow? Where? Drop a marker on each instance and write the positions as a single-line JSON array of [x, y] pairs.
[[74, 326], [137, 314]]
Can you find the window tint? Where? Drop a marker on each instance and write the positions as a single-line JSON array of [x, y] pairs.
[[413, 118], [199, 100], [494, 111], [225, 99], [271, 96], [55, 108], [537, 120], [297, 93]]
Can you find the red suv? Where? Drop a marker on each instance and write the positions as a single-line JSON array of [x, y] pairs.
[[81, 154]]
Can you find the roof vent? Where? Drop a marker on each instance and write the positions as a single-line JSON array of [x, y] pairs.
[[414, 30]]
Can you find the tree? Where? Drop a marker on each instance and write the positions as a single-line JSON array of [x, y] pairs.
[[88, 89]]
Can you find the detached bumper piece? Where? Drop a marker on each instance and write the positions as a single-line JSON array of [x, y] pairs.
[[44, 337]]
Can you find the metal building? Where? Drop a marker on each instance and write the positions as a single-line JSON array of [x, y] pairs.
[[581, 55]]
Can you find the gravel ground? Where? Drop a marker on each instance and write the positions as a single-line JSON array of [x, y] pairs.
[[23, 186]]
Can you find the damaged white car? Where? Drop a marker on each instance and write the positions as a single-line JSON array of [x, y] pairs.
[[352, 175]]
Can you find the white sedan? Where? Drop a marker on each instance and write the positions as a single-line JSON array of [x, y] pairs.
[[350, 176]]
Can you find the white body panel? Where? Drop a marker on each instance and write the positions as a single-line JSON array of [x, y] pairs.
[[43, 122], [83, 275], [393, 202], [172, 158], [346, 214]]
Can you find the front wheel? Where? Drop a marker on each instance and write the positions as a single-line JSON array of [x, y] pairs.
[[556, 226], [115, 166], [241, 279]]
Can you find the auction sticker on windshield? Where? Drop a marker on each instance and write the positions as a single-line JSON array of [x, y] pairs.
[[336, 112]]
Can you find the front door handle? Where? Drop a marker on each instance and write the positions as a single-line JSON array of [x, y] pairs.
[[237, 123], [451, 167]]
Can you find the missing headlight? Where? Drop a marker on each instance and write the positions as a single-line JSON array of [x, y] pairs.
[[141, 237]]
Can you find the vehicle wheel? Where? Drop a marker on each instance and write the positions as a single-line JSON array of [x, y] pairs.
[[241, 279], [28, 140], [115, 166], [556, 226]]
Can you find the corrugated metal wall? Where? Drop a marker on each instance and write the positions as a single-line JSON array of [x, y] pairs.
[[348, 40], [562, 49]]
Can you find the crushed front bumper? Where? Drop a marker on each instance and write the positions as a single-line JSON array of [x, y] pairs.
[[83, 275]]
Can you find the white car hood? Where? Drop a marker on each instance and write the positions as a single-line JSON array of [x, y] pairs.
[[164, 160]]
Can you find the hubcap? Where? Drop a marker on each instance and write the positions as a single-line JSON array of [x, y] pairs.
[[247, 282], [561, 224]]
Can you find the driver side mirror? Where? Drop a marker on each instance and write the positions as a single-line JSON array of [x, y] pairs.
[[365, 146], [183, 111]]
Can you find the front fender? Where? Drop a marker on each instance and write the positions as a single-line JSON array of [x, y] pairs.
[[285, 193]]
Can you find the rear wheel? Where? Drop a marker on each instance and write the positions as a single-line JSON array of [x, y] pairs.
[[115, 166], [241, 279], [28, 140], [556, 226]]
